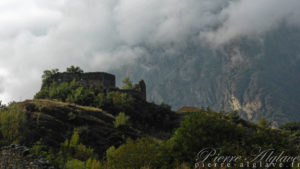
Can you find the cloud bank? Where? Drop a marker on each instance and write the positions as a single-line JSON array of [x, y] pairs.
[[105, 34]]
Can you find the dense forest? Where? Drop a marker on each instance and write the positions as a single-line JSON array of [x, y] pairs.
[[79, 127]]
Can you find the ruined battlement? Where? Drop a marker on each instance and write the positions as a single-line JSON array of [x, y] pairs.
[[99, 80]]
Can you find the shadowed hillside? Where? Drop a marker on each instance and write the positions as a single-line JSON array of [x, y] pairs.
[[54, 122], [77, 126]]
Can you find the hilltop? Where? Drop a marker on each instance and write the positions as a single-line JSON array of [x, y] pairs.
[[79, 126], [54, 122]]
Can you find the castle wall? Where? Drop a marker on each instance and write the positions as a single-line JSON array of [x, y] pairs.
[[138, 91], [101, 80], [95, 79], [131, 92]]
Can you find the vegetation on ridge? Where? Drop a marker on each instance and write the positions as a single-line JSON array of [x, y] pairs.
[[197, 131], [76, 127], [143, 115]]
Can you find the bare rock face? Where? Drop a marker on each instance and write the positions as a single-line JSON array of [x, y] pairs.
[[257, 76], [18, 157]]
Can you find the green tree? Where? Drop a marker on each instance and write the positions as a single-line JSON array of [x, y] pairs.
[[135, 154], [74, 69], [92, 163], [121, 119], [82, 96], [292, 126], [127, 83], [263, 123], [71, 155], [101, 100], [41, 150], [12, 123], [201, 130], [60, 91], [234, 116], [119, 100], [2, 106], [49, 73], [47, 77], [73, 148], [75, 164]]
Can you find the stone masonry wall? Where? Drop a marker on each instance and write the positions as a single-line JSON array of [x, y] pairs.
[[101, 80], [96, 79], [19, 157]]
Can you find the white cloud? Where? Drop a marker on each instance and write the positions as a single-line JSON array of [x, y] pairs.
[[102, 34], [254, 17]]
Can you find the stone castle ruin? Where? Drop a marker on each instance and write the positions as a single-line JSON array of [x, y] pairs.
[[101, 80]]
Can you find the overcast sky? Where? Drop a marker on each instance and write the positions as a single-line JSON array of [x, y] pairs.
[[99, 35]]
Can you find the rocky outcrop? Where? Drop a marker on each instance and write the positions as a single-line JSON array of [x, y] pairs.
[[257, 77], [19, 157]]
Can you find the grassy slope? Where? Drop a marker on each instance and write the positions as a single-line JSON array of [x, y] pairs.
[[55, 121]]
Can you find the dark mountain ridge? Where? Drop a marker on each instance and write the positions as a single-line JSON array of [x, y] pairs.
[[257, 76]]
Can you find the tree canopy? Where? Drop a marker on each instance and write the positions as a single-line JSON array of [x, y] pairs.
[[74, 69], [127, 83]]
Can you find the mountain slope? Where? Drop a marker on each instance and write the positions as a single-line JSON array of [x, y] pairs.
[[54, 122], [257, 76]]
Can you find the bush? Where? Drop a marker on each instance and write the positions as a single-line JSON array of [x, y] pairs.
[[213, 130], [119, 100], [74, 93], [121, 119], [75, 164], [127, 83], [74, 69], [71, 154], [135, 154], [12, 122], [47, 77], [291, 126], [82, 96], [2, 106], [201, 130], [92, 163], [73, 148]]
